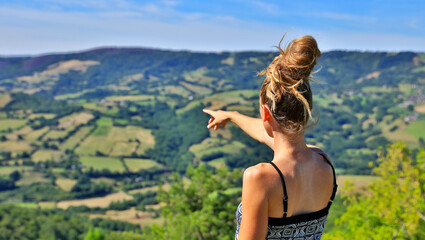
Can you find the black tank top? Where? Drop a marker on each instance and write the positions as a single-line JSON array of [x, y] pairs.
[[304, 226]]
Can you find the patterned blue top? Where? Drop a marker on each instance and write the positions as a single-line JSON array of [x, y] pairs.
[[293, 228]]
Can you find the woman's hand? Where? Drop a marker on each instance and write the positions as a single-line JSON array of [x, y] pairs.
[[218, 118], [252, 126]]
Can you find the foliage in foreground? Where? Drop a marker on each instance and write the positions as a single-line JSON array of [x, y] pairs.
[[201, 208], [44, 224], [392, 207], [26, 223]]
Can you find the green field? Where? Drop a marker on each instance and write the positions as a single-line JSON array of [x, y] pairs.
[[72, 141], [103, 108], [120, 121], [15, 146], [92, 144], [102, 202], [58, 170], [163, 90], [4, 100], [104, 124], [400, 134], [419, 69], [47, 205], [373, 89], [34, 135], [6, 170], [65, 183], [123, 148], [212, 145], [244, 109], [75, 119], [196, 88], [18, 134], [359, 181], [130, 98], [44, 115], [120, 141], [220, 100], [416, 128], [326, 100], [99, 163], [55, 134], [134, 164], [405, 88], [121, 134], [27, 204], [73, 95], [125, 134], [199, 77], [46, 155], [234, 96], [29, 177], [5, 124], [218, 162], [420, 108]]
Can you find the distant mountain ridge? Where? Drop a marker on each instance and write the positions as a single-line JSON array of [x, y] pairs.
[[361, 95], [236, 69]]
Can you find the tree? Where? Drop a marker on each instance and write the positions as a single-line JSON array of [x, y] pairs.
[[6, 184], [15, 176], [422, 142], [94, 234], [201, 208], [392, 207]]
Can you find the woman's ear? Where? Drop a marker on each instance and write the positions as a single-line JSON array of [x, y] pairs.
[[267, 113]]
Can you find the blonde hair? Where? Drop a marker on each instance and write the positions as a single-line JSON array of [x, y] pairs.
[[286, 88]]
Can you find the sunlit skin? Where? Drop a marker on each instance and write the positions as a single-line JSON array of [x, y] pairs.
[[308, 178]]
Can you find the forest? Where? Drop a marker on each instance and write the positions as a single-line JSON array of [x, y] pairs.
[[112, 143]]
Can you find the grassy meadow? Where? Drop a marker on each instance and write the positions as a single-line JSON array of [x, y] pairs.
[[100, 163]]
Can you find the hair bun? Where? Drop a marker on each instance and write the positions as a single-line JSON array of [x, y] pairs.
[[298, 59], [286, 89]]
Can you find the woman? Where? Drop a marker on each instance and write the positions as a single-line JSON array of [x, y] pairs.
[[289, 197]]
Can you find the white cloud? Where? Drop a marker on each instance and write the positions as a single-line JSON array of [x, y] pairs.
[[270, 8], [342, 16], [90, 4], [170, 3], [32, 31], [415, 24], [151, 8], [370, 41]]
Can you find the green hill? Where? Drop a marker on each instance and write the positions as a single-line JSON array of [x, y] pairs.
[[111, 123]]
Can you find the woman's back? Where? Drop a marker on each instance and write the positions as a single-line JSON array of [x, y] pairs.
[[309, 185], [299, 195]]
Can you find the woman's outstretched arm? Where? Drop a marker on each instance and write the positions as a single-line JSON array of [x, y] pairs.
[[252, 126]]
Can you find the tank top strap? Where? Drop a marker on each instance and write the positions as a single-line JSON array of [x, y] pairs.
[[335, 188], [285, 195]]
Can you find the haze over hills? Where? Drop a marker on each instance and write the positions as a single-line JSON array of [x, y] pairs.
[[113, 122], [359, 80]]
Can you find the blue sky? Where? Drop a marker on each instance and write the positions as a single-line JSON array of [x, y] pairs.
[[45, 26]]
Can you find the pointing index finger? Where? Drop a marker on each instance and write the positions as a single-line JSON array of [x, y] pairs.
[[207, 111]]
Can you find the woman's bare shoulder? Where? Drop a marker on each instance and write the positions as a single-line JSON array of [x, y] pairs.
[[256, 172], [259, 176], [316, 149]]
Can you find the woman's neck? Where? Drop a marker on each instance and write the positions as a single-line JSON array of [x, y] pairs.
[[289, 147]]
